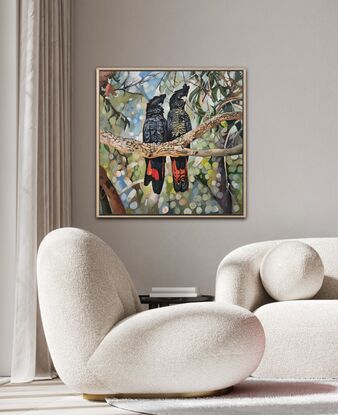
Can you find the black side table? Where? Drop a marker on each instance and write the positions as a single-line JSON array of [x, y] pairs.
[[157, 302]]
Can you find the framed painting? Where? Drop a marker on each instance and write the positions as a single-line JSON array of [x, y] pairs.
[[171, 143]]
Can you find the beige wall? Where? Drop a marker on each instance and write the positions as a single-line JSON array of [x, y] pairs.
[[8, 114], [290, 49]]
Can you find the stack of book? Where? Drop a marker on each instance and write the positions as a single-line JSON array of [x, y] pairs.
[[161, 292]]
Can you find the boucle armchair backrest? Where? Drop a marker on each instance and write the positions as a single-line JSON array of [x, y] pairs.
[[84, 290], [238, 276]]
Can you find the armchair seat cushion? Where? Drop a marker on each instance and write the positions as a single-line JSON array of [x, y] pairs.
[[179, 349], [301, 339]]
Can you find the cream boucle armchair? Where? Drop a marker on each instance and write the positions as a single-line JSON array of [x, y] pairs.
[[301, 335], [102, 344]]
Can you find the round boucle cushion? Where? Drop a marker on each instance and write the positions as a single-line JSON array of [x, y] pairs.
[[292, 270]]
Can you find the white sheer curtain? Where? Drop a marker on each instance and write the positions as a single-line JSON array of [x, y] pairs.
[[43, 188]]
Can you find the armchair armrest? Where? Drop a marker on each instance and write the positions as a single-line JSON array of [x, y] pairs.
[[238, 277]]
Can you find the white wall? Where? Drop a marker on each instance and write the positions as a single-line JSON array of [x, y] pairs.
[[8, 114], [290, 50]]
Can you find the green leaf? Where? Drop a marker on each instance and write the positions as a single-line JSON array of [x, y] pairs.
[[194, 94], [214, 94]]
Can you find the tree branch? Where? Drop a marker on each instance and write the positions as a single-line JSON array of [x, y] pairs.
[[113, 197], [213, 152], [173, 148]]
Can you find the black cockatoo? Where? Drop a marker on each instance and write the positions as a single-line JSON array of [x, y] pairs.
[[155, 131], [178, 124]]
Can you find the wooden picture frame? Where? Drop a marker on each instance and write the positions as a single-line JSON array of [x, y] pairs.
[[130, 125]]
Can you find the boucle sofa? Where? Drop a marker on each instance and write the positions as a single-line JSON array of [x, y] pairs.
[[103, 344], [301, 335]]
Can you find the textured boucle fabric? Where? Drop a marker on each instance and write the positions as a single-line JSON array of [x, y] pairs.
[[301, 339], [100, 342], [301, 335], [183, 348], [292, 270], [238, 278], [84, 290]]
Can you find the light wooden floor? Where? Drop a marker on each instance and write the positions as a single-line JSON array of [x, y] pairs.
[[49, 397]]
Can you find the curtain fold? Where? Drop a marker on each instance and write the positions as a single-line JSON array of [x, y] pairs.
[[44, 177]]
